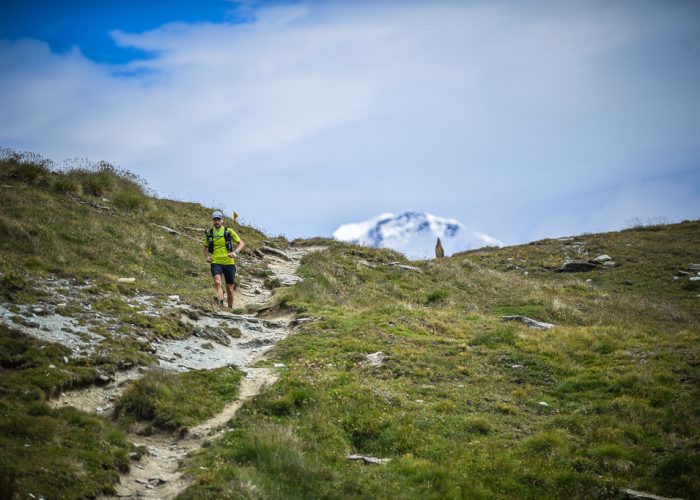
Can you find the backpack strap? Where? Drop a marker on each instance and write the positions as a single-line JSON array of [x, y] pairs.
[[227, 237], [210, 240]]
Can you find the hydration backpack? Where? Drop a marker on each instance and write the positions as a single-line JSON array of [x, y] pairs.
[[227, 237]]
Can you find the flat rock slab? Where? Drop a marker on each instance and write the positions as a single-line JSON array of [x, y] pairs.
[[404, 266], [532, 323], [641, 494], [368, 460]]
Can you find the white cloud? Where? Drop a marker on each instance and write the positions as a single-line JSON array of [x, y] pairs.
[[316, 114]]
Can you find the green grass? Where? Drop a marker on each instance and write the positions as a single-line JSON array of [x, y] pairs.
[[93, 224], [468, 406], [50, 224], [173, 401], [464, 405], [61, 453]]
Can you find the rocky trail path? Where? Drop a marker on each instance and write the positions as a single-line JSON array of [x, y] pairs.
[[156, 474]]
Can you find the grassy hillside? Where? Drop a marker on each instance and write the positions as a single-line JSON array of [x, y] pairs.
[[464, 404], [89, 227]]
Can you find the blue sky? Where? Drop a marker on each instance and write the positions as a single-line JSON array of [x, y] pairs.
[[522, 119]]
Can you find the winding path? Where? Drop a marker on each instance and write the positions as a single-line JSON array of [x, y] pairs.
[[157, 475]]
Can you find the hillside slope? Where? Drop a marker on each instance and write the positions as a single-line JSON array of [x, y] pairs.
[[413, 364], [467, 405]]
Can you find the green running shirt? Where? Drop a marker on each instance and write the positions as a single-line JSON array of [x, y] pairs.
[[220, 255]]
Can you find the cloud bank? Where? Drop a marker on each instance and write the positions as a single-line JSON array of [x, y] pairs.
[[526, 119]]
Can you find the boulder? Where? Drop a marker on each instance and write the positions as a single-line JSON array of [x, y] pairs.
[[601, 258], [215, 334], [278, 253], [375, 359]]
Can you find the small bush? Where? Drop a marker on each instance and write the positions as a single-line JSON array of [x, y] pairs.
[[95, 183], [504, 335], [129, 200], [613, 457], [28, 168], [479, 425], [64, 184], [542, 444], [436, 296]]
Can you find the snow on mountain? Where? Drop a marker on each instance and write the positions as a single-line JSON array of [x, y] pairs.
[[414, 234]]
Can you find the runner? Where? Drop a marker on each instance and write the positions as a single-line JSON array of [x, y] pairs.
[[219, 251]]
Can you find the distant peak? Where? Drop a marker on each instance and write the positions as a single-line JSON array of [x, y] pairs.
[[414, 234]]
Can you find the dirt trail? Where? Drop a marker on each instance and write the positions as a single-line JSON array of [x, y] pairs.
[[156, 474]]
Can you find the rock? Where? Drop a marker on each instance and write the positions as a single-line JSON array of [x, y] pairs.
[[375, 359], [126, 280], [528, 321], [363, 262], [255, 343], [279, 365], [104, 378], [576, 267], [694, 278], [641, 494], [207, 345], [439, 250], [694, 267], [289, 280], [218, 336], [404, 266], [168, 229], [609, 263], [369, 460], [601, 258], [517, 367], [278, 253], [543, 403], [301, 321], [682, 273]]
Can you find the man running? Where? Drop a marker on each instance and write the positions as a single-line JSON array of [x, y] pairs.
[[219, 251]]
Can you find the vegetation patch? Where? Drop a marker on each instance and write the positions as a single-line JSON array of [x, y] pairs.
[[176, 401], [34, 438]]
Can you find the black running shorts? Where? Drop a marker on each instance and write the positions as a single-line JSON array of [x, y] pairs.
[[229, 272]]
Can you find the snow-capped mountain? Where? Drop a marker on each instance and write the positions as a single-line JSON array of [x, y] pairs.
[[414, 234]]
